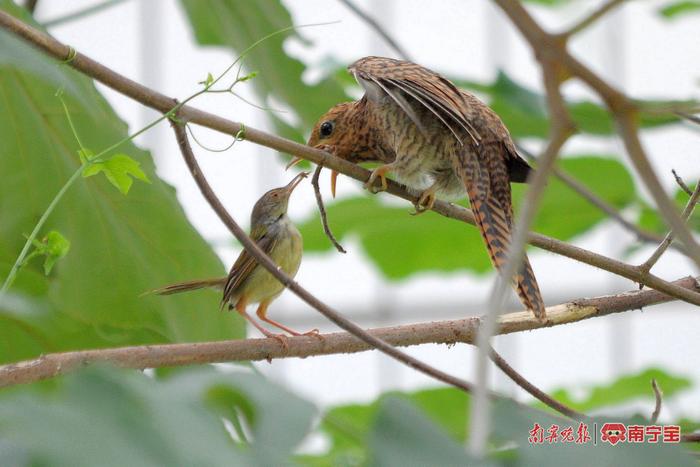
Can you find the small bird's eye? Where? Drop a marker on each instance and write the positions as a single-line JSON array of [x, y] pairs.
[[326, 128]]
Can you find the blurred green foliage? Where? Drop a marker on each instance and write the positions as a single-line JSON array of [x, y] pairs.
[[120, 246]]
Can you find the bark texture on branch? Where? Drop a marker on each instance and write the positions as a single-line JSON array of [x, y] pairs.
[[441, 332]]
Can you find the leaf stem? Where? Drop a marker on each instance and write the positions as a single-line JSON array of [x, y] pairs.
[[20, 259]]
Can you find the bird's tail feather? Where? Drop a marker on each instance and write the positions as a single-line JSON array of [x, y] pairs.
[[217, 283], [490, 204]]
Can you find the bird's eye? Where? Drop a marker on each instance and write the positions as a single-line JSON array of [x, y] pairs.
[[326, 129]]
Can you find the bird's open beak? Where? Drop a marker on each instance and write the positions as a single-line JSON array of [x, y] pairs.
[[334, 179], [334, 174], [295, 181]]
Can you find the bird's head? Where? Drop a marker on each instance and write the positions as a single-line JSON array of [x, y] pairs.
[[273, 204], [343, 132]]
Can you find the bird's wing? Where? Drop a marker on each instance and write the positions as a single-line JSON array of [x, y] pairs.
[[244, 265], [397, 78], [485, 176]]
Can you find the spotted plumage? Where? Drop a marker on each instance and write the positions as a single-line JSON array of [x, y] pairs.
[[436, 138]]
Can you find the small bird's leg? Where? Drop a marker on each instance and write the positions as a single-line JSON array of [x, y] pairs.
[[240, 308], [381, 173], [426, 200], [262, 314]]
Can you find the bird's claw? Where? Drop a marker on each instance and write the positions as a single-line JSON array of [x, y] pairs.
[[424, 203], [370, 185]]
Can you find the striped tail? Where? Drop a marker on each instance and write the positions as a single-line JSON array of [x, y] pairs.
[[188, 286], [487, 184]]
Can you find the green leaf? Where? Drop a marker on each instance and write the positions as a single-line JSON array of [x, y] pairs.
[[402, 435], [625, 389], [675, 9], [401, 245], [524, 111], [110, 417], [118, 169], [57, 247], [120, 246]]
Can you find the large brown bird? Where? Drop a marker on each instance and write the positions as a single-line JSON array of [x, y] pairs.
[[435, 138]]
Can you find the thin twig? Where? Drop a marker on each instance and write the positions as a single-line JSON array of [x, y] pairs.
[[441, 332], [668, 239], [681, 183], [265, 261], [322, 210], [597, 201], [534, 390], [658, 395], [163, 103], [592, 18], [377, 28], [689, 117], [75, 15]]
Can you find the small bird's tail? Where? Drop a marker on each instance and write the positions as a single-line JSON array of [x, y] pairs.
[[217, 283]]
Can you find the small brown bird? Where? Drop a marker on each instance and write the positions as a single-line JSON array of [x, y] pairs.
[[248, 282], [435, 138]]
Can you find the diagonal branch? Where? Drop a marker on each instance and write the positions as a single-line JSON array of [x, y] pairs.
[[441, 332], [163, 103], [624, 111], [264, 260], [668, 239], [587, 21]]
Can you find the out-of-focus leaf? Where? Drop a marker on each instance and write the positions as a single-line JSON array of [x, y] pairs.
[[675, 9], [625, 389], [524, 111], [402, 435], [512, 423], [106, 417], [401, 245], [121, 246], [240, 24], [349, 427]]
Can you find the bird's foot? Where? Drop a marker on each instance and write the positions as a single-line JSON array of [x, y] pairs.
[[381, 173], [281, 338], [425, 202]]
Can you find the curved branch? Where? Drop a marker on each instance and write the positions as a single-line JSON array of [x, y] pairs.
[[441, 332], [265, 261], [553, 47], [163, 103]]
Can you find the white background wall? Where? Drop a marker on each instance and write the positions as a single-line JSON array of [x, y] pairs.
[[150, 41]]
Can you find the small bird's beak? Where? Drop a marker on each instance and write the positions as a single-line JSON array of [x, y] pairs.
[[293, 162], [295, 181]]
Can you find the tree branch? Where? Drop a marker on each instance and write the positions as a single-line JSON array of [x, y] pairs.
[[162, 103], [668, 239], [552, 47], [265, 261], [441, 332], [592, 18]]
